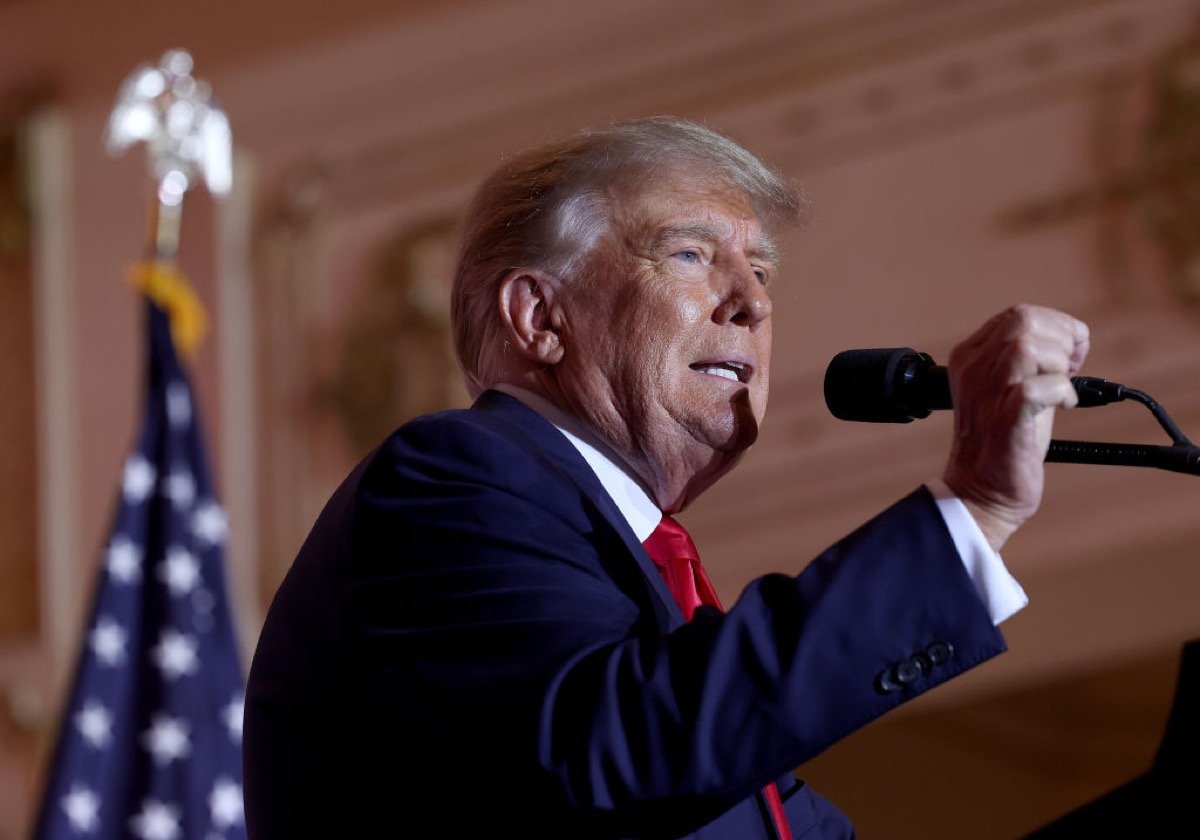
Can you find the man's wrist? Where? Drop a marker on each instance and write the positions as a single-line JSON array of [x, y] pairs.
[[997, 528]]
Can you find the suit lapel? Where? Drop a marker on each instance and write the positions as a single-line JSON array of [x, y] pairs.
[[539, 436]]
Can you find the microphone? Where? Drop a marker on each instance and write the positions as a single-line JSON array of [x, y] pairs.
[[899, 385]]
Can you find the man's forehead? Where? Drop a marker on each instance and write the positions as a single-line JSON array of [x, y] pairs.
[[681, 208]]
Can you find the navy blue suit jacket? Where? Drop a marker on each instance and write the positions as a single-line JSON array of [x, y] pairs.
[[472, 638]]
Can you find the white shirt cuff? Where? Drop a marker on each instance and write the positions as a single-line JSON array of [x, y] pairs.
[[1002, 596]]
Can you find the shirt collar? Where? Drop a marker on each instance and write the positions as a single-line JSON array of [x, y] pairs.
[[627, 492]]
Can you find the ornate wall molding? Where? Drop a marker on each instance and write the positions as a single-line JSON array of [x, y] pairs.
[[816, 83]]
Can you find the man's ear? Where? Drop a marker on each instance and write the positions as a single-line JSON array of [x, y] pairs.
[[532, 315]]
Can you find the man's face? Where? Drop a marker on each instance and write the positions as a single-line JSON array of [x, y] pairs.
[[668, 341]]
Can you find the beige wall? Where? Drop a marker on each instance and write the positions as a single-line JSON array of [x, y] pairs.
[[925, 131]]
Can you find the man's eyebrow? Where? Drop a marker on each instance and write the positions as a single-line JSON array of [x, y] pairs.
[[762, 248], [666, 235], [767, 250]]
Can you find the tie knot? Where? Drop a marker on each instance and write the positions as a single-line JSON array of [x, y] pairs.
[[678, 561], [670, 541]]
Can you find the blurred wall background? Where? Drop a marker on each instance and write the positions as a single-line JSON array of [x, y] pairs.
[[960, 157]]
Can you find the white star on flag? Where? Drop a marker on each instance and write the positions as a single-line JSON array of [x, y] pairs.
[[233, 713], [175, 654], [179, 405], [225, 803], [124, 560], [167, 739], [82, 807], [157, 821], [180, 488], [108, 641], [208, 523], [180, 570], [138, 479], [94, 723]]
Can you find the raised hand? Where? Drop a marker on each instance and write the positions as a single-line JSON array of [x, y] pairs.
[[1006, 380]]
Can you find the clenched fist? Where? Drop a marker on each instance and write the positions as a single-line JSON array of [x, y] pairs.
[[1006, 381]]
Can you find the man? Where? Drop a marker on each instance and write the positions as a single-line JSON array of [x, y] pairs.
[[474, 636]]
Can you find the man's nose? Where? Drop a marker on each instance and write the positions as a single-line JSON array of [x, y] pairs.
[[746, 302]]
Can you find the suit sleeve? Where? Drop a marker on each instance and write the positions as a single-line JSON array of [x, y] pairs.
[[490, 603]]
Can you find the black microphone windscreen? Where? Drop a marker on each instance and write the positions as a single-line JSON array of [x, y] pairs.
[[865, 385]]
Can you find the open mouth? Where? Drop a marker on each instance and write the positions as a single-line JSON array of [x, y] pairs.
[[733, 371]]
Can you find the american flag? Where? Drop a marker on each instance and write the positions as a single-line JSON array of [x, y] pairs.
[[150, 740]]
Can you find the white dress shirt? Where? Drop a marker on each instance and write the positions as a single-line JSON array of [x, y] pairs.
[[999, 590]]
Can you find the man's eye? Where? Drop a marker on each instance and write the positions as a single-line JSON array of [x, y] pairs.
[[762, 275], [690, 255]]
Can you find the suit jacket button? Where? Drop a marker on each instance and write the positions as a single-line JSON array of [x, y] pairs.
[[886, 683], [907, 672], [923, 662], [940, 652]]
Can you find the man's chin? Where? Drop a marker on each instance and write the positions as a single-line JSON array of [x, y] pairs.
[[735, 435]]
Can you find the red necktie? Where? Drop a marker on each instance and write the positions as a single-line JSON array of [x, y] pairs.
[[678, 561]]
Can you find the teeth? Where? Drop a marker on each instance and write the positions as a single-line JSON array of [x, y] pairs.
[[723, 372]]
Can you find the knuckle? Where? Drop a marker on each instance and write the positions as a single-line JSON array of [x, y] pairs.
[[1023, 316], [1024, 347]]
